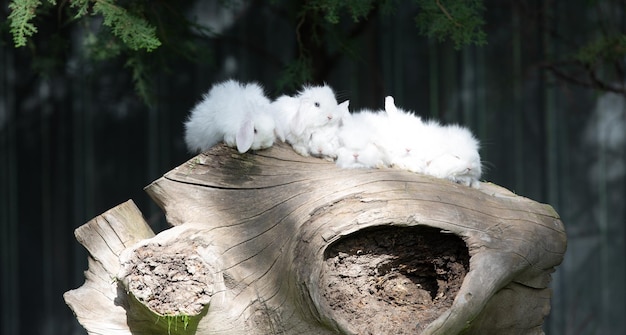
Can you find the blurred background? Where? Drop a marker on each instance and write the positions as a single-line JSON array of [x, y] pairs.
[[88, 117]]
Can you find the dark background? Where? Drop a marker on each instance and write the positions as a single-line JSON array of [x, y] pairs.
[[77, 140]]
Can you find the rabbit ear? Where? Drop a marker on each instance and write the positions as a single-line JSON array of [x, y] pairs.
[[245, 136], [344, 112], [344, 107], [298, 123], [390, 106]]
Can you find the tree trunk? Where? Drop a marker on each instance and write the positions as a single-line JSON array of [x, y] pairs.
[[274, 243]]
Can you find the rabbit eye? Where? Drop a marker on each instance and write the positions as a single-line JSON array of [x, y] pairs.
[[255, 131], [317, 104]]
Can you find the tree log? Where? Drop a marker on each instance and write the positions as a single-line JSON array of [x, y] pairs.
[[271, 242]]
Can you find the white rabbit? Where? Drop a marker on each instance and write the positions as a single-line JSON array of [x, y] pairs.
[[359, 141], [233, 112], [406, 138], [324, 143], [449, 152], [455, 157], [307, 142], [299, 116], [317, 108]]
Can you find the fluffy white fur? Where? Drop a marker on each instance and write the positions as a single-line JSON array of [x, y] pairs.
[[406, 138], [360, 141], [324, 143], [449, 152], [307, 118], [284, 110], [455, 157], [233, 112], [315, 124], [317, 108]]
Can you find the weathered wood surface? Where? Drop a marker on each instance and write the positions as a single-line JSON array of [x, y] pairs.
[[259, 226]]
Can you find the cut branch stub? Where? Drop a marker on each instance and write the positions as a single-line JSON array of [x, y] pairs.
[[295, 245], [171, 281]]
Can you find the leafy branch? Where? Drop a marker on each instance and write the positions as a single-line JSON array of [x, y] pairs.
[[128, 29], [317, 20], [21, 17], [461, 21], [593, 60], [133, 30], [358, 9], [127, 32]]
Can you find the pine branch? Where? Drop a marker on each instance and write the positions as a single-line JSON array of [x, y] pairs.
[[82, 6], [141, 78], [461, 21], [22, 14], [134, 31], [331, 8]]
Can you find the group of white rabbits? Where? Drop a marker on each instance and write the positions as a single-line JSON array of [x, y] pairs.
[[313, 123]]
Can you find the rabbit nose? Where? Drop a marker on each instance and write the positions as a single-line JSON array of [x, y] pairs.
[[355, 155], [330, 117]]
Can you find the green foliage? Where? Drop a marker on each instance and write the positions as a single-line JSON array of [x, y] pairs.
[[460, 21], [603, 48], [111, 29], [21, 17], [358, 9], [130, 30], [81, 6], [141, 77], [133, 30]]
